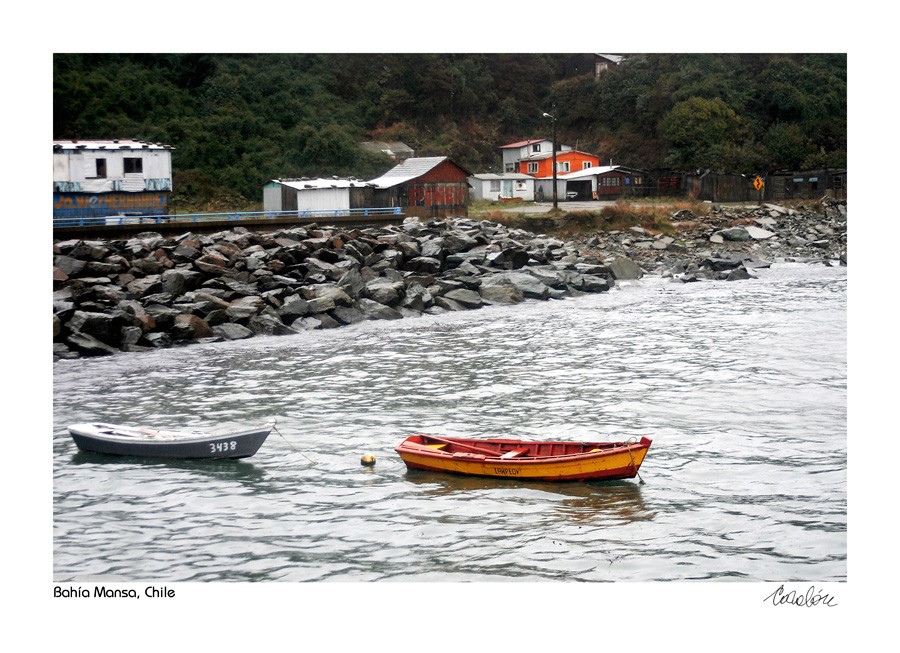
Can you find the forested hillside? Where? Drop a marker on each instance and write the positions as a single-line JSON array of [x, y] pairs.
[[237, 121]]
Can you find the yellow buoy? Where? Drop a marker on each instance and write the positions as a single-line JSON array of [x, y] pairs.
[[368, 460]]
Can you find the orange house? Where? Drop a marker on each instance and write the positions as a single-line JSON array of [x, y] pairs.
[[541, 165]]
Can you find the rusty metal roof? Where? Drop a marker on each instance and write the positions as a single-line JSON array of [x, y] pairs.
[[108, 144], [321, 183], [524, 143]]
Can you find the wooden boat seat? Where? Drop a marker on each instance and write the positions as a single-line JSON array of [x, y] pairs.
[[436, 446], [515, 453]]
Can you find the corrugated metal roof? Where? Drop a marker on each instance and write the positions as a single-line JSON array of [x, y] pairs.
[[612, 58], [507, 175], [317, 184], [588, 172], [408, 170], [579, 174], [108, 144], [549, 155], [524, 143], [392, 147]]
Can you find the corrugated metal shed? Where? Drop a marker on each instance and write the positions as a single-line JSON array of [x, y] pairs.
[[432, 186], [332, 193]]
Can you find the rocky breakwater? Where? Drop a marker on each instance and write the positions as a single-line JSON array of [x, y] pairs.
[[152, 291], [729, 243]]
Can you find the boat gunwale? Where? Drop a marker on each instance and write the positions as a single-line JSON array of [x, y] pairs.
[[617, 448], [86, 430]]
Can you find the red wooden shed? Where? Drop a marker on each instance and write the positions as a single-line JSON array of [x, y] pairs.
[[425, 187]]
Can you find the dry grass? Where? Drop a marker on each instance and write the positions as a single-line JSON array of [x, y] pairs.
[[654, 216]]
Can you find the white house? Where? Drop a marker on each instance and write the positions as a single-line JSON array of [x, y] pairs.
[[508, 185], [104, 166], [96, 178], [520, 150]]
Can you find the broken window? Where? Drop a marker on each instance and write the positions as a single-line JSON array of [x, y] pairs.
[[133, 165]]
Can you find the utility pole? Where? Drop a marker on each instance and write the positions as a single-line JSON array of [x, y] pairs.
[[553, 119]]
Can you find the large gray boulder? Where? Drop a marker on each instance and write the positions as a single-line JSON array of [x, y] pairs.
[[624, 269], [270, 325], [384, 291], [501, 294], [348, 315], [423, 265], [245, 307], [232, 331], [593, 283], [466, 297], [527, 284], [293, 308], [757, 233], [735, 234], [417, 297], [88, 344], [375, 311], [456, 241], [102, 326], [69, 265]]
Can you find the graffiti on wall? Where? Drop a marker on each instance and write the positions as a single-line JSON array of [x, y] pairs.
[[78, 205], [437, 195]]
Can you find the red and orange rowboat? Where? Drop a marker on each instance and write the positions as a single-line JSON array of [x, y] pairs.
[[536, 461]]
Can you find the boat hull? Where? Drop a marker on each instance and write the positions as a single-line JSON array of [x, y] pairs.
[[128, 441], [494, 458]]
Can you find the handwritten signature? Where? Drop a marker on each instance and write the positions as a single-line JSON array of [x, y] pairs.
[[809, 599]]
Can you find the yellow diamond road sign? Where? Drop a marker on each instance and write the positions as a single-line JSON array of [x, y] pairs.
[[758, 183]]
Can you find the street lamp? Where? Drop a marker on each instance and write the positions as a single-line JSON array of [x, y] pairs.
[[553, 120]]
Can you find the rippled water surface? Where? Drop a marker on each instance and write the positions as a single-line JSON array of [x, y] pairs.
[[741, 385]]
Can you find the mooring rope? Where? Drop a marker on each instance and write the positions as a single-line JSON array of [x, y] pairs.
[[274, 428], [628, 444]]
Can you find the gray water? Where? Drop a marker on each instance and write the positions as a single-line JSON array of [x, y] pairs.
[[741, 385]]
